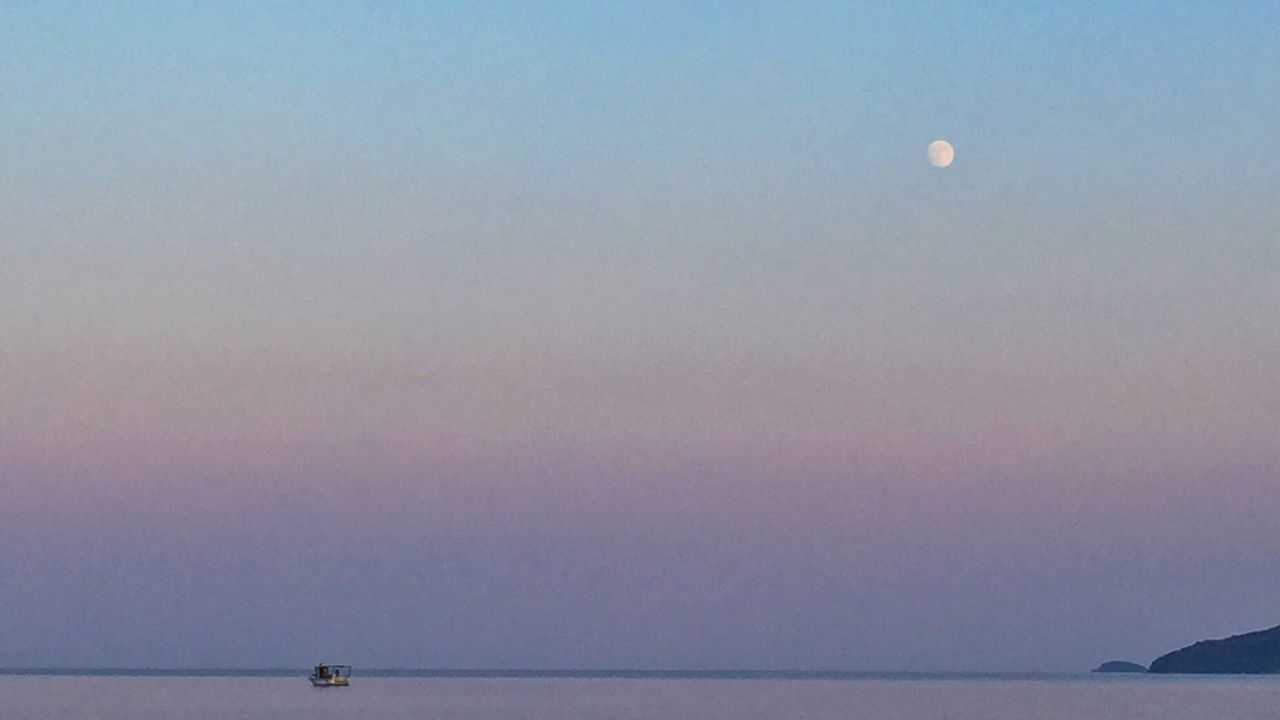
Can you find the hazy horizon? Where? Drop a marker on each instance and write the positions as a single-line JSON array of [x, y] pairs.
[[600, 336]]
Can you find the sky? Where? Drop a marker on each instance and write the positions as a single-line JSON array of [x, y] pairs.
[[637, 335]]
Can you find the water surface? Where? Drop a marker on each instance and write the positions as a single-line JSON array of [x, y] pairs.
[[42, 697]]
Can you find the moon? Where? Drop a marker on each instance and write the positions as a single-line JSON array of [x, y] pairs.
[[941, 153]]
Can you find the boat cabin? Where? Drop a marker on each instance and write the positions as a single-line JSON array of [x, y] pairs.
[[326, 675]]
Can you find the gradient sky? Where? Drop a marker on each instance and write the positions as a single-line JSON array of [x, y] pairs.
[[581, 335]]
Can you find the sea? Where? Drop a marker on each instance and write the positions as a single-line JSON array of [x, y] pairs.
[[250, 695]]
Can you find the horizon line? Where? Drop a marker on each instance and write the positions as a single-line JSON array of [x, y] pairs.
[[515, 673]]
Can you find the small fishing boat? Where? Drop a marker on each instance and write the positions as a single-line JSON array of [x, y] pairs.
[[331, 675]]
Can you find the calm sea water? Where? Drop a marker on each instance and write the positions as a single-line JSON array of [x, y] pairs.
[[1083, 698]]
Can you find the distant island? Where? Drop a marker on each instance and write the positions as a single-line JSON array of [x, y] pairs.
[[1255, 653], [1119, 666]]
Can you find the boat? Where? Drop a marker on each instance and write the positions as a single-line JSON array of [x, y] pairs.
[[326, 675]]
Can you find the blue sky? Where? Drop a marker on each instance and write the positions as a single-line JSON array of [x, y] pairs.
[[617, 335]]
